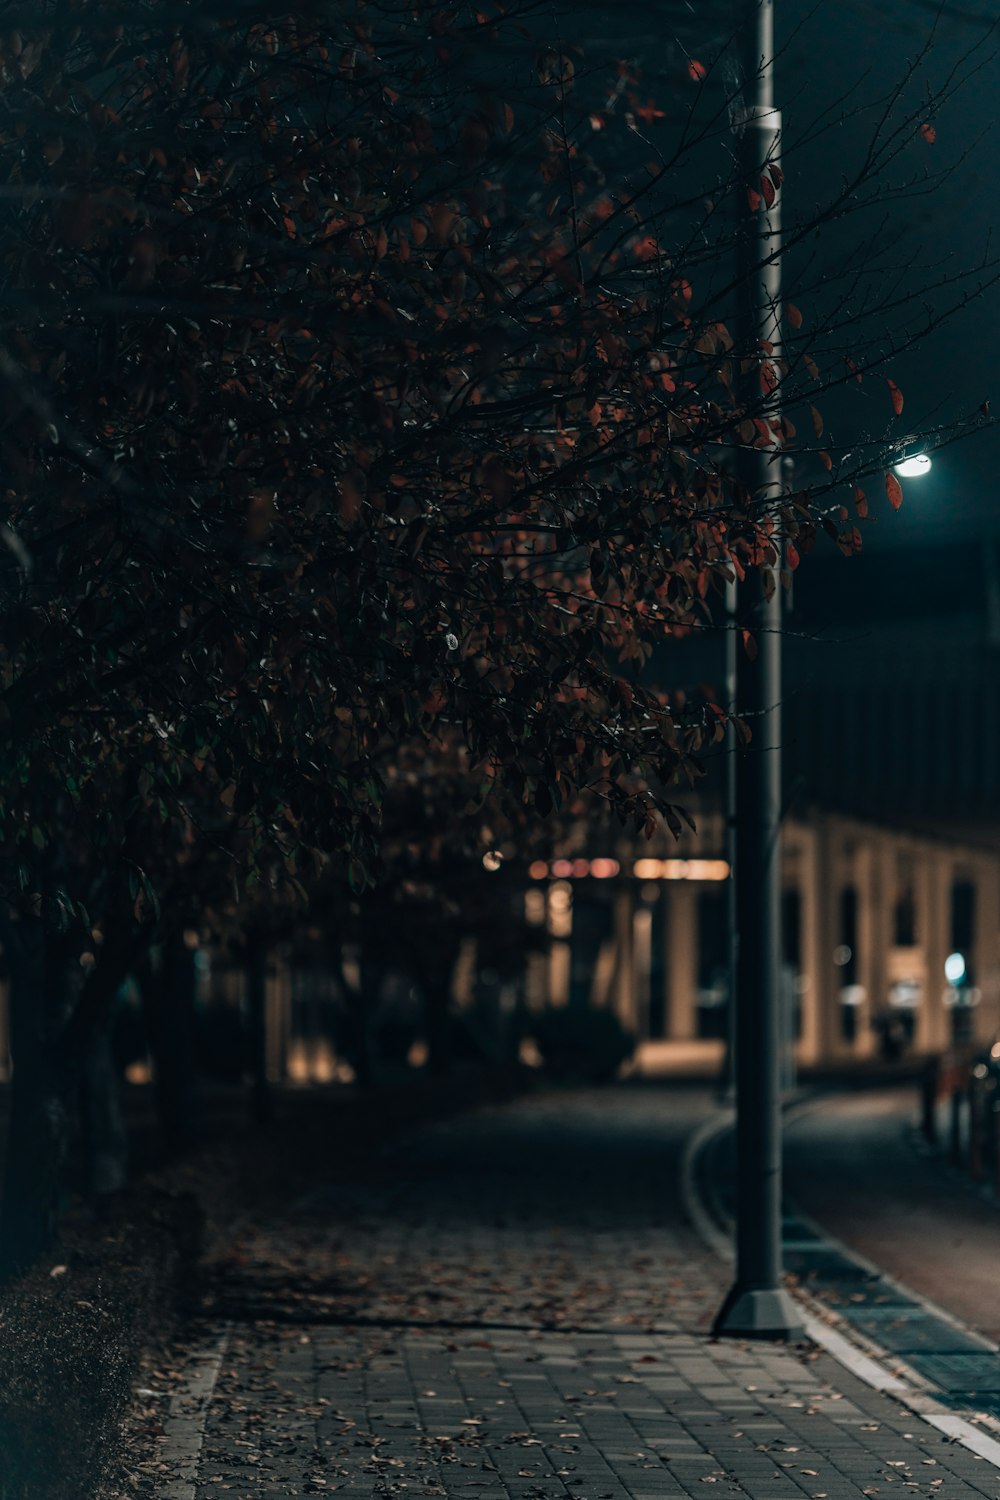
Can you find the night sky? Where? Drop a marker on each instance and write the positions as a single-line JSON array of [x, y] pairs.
[[826, 50], [835, 62]]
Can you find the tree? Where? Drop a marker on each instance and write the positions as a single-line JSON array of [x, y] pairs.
[[353, 404]]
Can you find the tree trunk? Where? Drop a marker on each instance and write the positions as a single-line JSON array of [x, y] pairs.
[[261, 1099], [366, 1003], [40, 1095], [437, 1019], [168, 997], [105, 1138], [434, 970]]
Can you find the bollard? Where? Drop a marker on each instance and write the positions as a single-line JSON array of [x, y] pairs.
[[956, 1127], [975, 1131], [930, 1082]]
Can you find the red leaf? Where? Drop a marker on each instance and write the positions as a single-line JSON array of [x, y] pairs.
[[793, 315], [767, 190], [928, 132], [897, 397], [753, 198], [696, 70], [749, 645], [894, 490], [817, 421], [860, 501], [791, 555]]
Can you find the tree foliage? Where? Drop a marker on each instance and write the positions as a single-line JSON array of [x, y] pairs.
[[361, 393], [372, 401]]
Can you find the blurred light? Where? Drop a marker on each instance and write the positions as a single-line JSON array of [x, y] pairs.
[[695, 869], [418, 1054], [560, 909], [680, 869], [913, 466], [995, 1050], [642, 869], [954, 968], [297, 1064], [324, 1063], [560, 897], [980, 1071], [492, 859], [842, 955], [534, 908]]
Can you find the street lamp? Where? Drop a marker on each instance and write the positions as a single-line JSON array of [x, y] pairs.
[[913, 466], [758, 1305]]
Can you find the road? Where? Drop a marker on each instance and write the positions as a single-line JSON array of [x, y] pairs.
[[853, 1164], [511, 1305]]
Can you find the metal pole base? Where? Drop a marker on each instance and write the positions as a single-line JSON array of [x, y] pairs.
[[759, 1314]]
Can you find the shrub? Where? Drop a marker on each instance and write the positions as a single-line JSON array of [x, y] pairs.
[[582, 1044]]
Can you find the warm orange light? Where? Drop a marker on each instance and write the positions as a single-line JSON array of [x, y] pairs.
[[680, 869], [696, 869], [642, 869]]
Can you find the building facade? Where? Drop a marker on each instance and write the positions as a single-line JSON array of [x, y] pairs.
[[891, 943]]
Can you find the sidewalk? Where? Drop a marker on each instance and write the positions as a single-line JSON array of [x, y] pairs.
[[510, 1306]]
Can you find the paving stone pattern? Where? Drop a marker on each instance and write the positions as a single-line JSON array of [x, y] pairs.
[[511, 1307]]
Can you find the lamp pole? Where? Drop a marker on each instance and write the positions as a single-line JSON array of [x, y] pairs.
[[757, 1304]]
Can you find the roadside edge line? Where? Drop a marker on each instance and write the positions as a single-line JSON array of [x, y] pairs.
[[184, 1423], [701, 1220], [962, 1431], [907, 1387]]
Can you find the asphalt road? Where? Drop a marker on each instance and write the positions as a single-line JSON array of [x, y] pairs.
[[854, 1165]]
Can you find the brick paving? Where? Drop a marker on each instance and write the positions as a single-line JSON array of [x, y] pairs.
[[510, 1306]]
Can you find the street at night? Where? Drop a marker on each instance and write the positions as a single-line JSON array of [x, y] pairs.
[[514, 1304], [500, 727]]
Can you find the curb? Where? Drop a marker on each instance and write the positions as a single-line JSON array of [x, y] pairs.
[[179, 1448], [867, 1360]]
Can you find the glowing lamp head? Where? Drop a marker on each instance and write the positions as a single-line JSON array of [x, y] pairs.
[[954, 968], [913, 465]]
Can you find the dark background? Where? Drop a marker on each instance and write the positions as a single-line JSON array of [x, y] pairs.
[[892, 691]]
